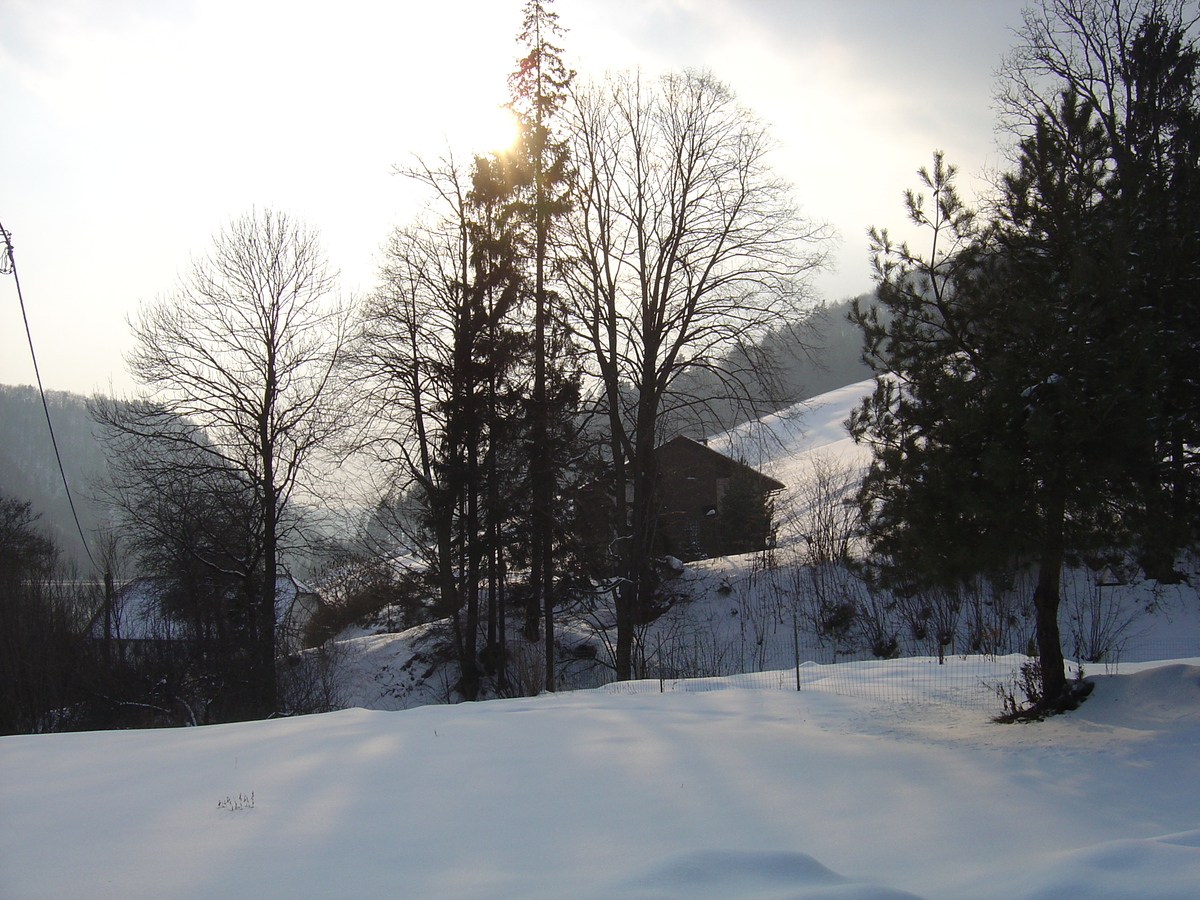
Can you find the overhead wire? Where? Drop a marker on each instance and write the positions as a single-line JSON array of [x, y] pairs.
[[8, 266]]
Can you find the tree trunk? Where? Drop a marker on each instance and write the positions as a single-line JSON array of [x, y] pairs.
[[265, 676], [623, 600], [642, 516], [471, 675], [1046, 598]]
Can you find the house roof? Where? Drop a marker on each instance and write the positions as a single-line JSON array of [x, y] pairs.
[[686, 445]]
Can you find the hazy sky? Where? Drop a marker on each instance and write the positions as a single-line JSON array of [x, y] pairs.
[[134, 129]]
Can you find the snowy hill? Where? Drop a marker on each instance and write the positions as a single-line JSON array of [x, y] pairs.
[[781, 444], [738, 616]]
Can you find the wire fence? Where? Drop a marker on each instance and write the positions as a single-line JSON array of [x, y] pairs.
[[971, 681], [825, 634]]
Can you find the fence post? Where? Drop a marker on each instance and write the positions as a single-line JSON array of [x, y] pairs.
[[796, 642]]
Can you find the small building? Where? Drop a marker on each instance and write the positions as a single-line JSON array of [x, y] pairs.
[[710, 504], [139, 626]]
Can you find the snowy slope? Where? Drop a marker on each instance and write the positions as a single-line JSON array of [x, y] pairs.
[[634, 794], [741, 618], [780, 444]]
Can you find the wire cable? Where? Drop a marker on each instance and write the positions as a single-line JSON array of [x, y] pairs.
[[8, 265]]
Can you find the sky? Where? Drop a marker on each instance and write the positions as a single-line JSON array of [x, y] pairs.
[[133, 130]]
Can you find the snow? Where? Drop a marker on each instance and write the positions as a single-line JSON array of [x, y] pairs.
[[643, 791], [781, 445], [874, 780]]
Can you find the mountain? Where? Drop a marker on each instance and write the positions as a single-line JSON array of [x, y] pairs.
[[29, 470]]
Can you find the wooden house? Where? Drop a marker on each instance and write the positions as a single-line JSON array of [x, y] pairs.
[[710, 504]]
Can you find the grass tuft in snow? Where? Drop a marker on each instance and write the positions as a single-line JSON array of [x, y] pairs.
[[237, 804]]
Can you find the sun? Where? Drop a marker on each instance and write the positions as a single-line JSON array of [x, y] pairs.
[[493, 129]]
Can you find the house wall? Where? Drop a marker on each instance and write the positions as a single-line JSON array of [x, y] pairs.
[[689, 499], [692, 481]]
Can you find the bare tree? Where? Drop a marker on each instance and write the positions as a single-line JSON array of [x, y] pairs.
[[819, 514], [189, 521], [1083, 46], [685, 244], [242, 352]]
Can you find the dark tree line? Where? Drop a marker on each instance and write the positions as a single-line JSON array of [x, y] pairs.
[[42, 616], [1037, 403]]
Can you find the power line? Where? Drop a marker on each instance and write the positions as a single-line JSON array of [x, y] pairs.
[[8, 265]]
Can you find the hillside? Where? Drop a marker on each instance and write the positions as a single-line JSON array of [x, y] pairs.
[[783, 444], [739, 615], [29, 471], [791, 364]]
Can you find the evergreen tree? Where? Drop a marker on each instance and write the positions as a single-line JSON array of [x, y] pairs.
[[1000, 418], [1133, 65], [438, 357], [1036, 398], [42, 655], [1157, 190], [539, 88]]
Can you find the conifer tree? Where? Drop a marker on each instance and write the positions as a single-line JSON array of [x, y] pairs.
[[1000, 423], [1036, 366], [1133, 65], [436, 356], [539, 88], [1157, 189]]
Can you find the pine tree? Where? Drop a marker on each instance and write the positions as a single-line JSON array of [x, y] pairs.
[[539, 89], [437, 356], [1133, 64], [1157, 188], [1036, 398], [1000, 418]]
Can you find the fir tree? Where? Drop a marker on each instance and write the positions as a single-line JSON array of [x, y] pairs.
[[539, 88], [1000, 415]]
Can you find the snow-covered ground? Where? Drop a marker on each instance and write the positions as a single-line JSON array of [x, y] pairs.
[[636, 792], [781, 444]]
